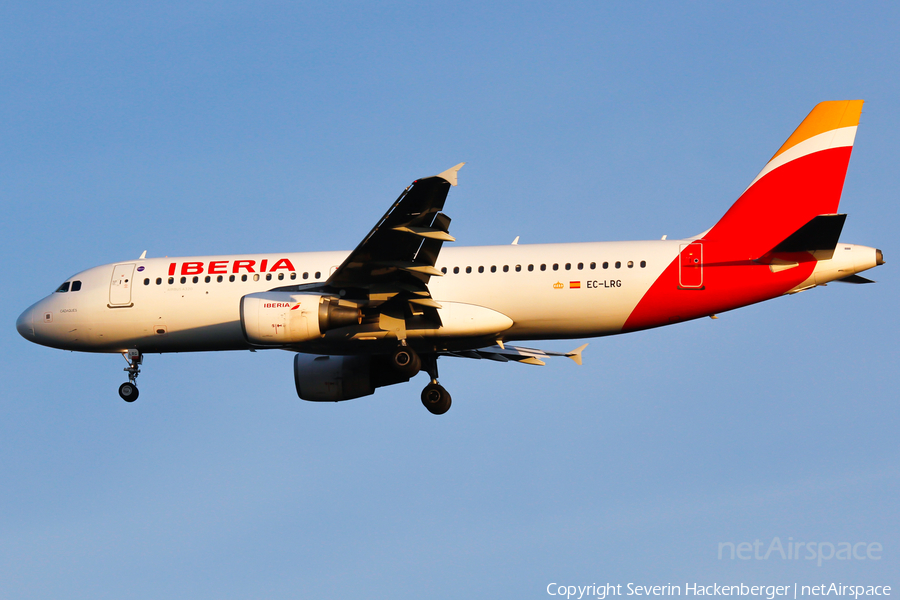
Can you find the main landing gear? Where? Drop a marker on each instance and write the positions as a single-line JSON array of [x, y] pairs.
[[406, 362], [128, 390], [435, 398]]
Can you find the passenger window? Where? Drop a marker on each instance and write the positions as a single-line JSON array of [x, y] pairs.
[[147, 281], [231, 278], [518, 268], [493, 268], [268, 277], [195, 279], [159, 281], [481, 269], [468, 269], [305, 276], [293, 276], [280, 276], [506, 268], [618, 264], [630, 264], [531, 267], [543, 267], [606, 265], [219, 279], [444, 270], [580, 266], [171, 280], [256, 276], [455, 270], [244, 277], [593, 266], [643, 263], [207, 279], [568, 266], [556, 266], [318, 274]]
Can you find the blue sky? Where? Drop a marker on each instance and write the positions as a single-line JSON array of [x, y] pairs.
[[264, 127]]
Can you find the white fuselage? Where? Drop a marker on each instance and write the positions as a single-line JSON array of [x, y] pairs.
[[193, 304]]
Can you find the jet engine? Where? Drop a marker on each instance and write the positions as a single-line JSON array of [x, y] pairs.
[[336, 378], [280, 318]]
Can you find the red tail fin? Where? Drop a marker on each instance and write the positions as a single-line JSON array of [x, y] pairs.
[[804, 179]]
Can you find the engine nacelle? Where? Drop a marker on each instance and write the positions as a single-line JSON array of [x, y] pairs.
[[282, 318], [332, 378], [336, 378]]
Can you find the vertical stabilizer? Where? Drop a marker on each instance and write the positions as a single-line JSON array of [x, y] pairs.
[[802, 180]]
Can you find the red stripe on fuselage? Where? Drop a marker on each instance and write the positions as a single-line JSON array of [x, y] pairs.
[[726, 285]]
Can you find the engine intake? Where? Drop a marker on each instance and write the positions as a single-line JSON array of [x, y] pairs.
[[281, 318]]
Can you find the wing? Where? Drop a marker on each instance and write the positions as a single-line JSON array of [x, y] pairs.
[[528, 356], [390, 269]]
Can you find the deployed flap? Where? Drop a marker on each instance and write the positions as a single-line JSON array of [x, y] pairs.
[[820, 233]]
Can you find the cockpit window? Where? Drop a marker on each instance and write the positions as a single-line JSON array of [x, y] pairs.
[[76, 285], [63, 288]]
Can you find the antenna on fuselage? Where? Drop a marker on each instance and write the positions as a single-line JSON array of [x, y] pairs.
[[143, 255]]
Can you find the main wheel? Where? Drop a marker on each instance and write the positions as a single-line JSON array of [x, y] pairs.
[[406, 362], [436, 399], [128, 391]]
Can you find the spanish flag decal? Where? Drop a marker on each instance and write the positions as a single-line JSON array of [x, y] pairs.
[[574, 285]]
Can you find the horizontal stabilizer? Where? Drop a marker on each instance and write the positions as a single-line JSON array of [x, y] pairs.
[[820, 233], [855, 279], [527, 356]]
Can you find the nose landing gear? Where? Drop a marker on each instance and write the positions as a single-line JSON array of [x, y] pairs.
[[128, 391]]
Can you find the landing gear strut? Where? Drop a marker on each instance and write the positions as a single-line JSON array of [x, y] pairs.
[[128, 390], [435, 398]]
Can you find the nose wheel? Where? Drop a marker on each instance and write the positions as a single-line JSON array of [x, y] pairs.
[[128, 391]]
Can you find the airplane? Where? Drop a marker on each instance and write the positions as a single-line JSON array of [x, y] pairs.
[[389, 309]]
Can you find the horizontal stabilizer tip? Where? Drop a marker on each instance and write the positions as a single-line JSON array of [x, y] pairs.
[[450, 174]]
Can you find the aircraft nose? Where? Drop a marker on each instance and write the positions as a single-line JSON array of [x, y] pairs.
[[25, 324]]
